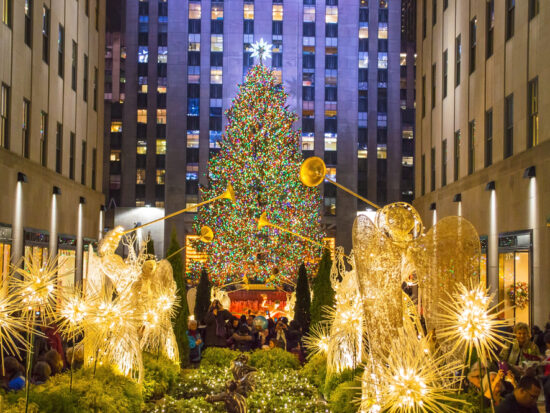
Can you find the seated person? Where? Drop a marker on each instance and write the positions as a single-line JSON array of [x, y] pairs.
[[497, 389], [243, 338], [523, 399], [195, 342], [41, 372], [14, 374], [54, 359], [521, 350]]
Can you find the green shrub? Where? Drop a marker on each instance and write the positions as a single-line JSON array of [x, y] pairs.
[[193, 404], [218, 357], [274, 360], [202, 382], [323, 294], [107, 392], [161, 376], [333, 380], [315, 370], [345, 396]]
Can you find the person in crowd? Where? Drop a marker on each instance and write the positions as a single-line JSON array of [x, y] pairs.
[[53, 358], [546, 373], [263, 339], [41, 372], [293, 335], [280, 334], [250, 322], [242, 320], [243, 338], [272, 344], [195, 342], [215, 320], [523, 399], [521, 350], [78, 360], [14, 374], [232, 326], [498, 388], [537, 337]]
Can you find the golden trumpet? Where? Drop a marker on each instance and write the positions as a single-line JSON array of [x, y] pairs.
[[313, 171], [263, 222], [228, 194], [207, 235]]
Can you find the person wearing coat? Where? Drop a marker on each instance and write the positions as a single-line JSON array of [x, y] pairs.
[[215, 319]]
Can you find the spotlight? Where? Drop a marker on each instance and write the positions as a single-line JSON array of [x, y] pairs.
[[56, 190], [490, 186], [432, 206], [21, 177], [82, 200], [529, 172], [457, 198]]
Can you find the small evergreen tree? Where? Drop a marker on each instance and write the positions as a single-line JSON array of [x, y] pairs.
[[150, 246], [303, 299], [179, 322], [323, 294], [202, 301]]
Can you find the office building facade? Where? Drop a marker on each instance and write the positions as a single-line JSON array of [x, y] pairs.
[[483, 136]]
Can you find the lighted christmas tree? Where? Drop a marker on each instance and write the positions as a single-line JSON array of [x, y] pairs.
[[260, 156]]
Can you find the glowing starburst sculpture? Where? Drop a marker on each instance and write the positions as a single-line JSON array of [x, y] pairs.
[[261, 49], [470, 322], [10, 327], [73, 313], [316, 341]]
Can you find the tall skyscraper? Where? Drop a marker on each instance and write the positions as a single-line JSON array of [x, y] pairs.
[[349, 77], [51, 121], [483, 136]]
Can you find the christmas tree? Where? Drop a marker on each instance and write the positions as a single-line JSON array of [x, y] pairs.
[[260, 156], [323, 294]]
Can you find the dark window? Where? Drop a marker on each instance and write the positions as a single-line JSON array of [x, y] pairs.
[[194, 26], [458, 58], [423, 175], [509, 126], [277, 60], [423, 96], [277, 28], [143, 39], [87, 7], [363, 75], [308, 93], [84, 159], [162, 39], [363, 45], [94, 161], [363, 101], [445, 72], [248, 27], [309, 29], [364, 14], [432, 168], [331, 125], [26, 128], [473, 42], [424, 23], [433, 84], [45, 34], [308, 61], [72, 150], [444, 162], [457, 155], [331, 94], [331, 62], [143, 8], [510, 18], [382, 15], [194, 58], [215, 91], [61, 51], [5, 117], [216, 26], [445, 4], [58, 148], [382, 100], [533, 113], [28, 22], [308, 125], [85, 79], [95, 88], [44, 139], [331, 30], [74, 60], [471, 147], [193, 123], [434, 12], [490, 26], [489, 138], [382, 45], [534, 6], [162, 69]]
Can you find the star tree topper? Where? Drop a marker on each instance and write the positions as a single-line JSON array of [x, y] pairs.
[[261, 49]]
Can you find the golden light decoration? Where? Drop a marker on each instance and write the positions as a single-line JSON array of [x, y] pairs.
[[469, 321], [10, 326], [317, 340], [73, 313]]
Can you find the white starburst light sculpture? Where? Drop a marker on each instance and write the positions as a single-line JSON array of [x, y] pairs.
[[261, 49]]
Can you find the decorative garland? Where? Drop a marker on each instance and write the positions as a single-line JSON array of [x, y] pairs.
[[518, 294]]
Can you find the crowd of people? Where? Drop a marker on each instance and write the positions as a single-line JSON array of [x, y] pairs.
[[222, 329]]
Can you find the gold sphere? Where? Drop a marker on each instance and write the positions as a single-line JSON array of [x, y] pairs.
[[207, 235], [313, 171]]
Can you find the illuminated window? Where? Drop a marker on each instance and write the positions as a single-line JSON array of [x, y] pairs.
[[216, 74], [308, 142], [309, 13], [192, 172], [115, 155], [403, 59], [140, 176], [194, 10], [162, 54], [191, 254], [214, 138], [382, 60], [278, 75], [362, 119], [160, 176], [140, 203], [142, 115], [382, 30], [193, 74], [161, 146], [143, 54], [249, 11], [141, 148], [330, 143], [161, 116], [362, 153], [407, 161], [278, 12], [142, 89], [331, 14], [381, 152], [216, 43], [217, 11], [161, 89], [159, 204], [116, 126], [408, 132], [194, 42], [363, 60], [331, 173], [193, 139], [364, 30], [330, 205]]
